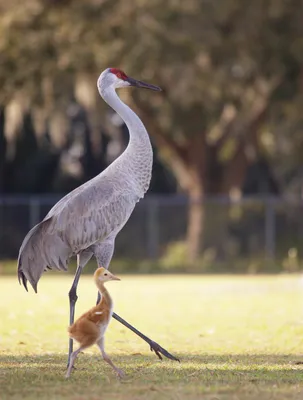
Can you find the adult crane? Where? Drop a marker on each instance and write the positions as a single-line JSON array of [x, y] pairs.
[[86, 221]]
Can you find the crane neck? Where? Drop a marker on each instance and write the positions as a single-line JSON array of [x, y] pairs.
[[137, 159], [137, 132]]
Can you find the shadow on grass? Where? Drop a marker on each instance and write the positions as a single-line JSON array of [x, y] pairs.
[[204, 376], [208, 368]]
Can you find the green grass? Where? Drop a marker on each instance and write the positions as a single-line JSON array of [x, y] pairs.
[[237, 338]]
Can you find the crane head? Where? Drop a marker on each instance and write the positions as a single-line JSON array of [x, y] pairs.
[[116, 78], [103, 275]]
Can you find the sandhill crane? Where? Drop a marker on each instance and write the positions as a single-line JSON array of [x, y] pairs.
[[86, 221]]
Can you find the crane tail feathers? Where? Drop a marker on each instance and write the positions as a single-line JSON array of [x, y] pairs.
[[34, 285], [21, 277], [38, 253]]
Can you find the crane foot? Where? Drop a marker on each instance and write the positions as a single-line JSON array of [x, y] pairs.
[[159, 350], [153, 345]]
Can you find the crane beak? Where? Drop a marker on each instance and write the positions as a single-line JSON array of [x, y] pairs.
[[140, 84]]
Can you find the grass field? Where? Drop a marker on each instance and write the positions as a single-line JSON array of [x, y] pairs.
[[237, 338]]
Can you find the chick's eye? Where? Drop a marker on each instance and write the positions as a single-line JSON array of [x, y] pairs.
[[105, 274]]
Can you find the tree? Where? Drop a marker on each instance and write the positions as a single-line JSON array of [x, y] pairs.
[[219, 85], [223, 66], [2, 150]]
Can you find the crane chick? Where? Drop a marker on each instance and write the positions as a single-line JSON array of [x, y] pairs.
[[89, 329]]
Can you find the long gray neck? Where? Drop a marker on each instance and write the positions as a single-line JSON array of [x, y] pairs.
[[137, 159]]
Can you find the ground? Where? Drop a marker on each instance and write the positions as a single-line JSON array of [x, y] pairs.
[[237, 338]]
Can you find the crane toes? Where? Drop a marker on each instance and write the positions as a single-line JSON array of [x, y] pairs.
[[156, 350], [159, 350], [120, 373]]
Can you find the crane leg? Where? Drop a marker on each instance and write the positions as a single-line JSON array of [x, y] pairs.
[[82, 259], [72, 303], [153, 345], [103, 253]]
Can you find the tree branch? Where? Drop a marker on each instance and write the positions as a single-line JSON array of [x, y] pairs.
[[248, 131], [173, 153]]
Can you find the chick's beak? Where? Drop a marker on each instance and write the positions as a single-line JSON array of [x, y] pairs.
[[140, 84], [115, 278]]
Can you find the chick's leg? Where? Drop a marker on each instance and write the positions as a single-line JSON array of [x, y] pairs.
[[106, 358], [72, 360]]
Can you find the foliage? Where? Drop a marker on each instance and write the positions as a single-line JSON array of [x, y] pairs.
[[224, 70], [231, 73], [175, 259], [175, 256]]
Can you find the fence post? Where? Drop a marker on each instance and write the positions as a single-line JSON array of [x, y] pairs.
[[34, 211], [270, 229], [152, 228]]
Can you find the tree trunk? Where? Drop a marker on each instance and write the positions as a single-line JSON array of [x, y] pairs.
[[188, 163], [195, 225], [2, 150]]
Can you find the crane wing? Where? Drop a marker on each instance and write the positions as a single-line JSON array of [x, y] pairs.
[[79, 220], [94, 214]]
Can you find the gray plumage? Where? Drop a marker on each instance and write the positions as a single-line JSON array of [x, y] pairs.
[[87, 220]]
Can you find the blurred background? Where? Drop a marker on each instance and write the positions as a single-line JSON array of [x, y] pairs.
[[227, 131]]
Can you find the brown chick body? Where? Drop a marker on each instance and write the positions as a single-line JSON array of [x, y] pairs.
[[89, 329]]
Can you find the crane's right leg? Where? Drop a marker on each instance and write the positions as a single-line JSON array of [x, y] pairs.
[[82, 259], [154, 346]]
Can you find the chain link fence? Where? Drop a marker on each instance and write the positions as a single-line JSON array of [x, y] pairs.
[[250, 228]]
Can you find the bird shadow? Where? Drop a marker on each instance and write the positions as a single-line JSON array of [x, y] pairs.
[[208, 368]]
